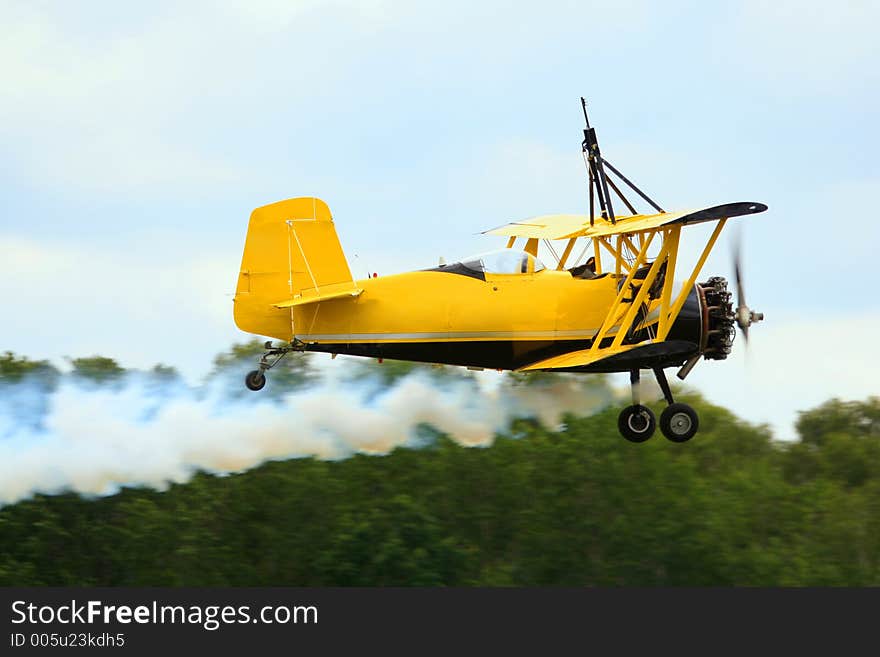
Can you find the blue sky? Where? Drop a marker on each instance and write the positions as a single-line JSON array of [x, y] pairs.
[[136, 139]]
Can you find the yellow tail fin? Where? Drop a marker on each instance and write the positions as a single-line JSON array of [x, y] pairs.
[[291, 255]]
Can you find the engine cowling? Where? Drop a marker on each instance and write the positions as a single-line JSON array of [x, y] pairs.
[[707, 319], [719, 318]]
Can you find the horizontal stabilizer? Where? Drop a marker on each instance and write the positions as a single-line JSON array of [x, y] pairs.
[[301, 300]]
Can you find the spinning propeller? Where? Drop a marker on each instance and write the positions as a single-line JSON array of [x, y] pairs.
[[745, 316]]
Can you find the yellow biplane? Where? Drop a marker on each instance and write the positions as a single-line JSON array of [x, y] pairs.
[[620, 311]]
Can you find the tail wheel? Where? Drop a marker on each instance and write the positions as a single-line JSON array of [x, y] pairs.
[[636, 423], [679, 422], [255, 380]]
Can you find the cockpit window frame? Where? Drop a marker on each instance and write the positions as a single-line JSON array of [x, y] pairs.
[[490, 262]]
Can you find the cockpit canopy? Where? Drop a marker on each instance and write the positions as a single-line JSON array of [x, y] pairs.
[[503, 261]]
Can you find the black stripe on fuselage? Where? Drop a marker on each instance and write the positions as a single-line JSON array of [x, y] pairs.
[[509, 354], [489, 354]]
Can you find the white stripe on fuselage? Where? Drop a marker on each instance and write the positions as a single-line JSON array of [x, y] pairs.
[[448, 335]]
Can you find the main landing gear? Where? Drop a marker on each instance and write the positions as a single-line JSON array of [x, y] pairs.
[[678, 422], [256, 379]]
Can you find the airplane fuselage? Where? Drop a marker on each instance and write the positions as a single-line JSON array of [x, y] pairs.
[[451, 316]]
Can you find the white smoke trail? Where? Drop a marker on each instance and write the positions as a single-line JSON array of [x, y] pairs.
[[95, 440]]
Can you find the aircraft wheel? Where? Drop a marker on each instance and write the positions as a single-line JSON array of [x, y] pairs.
[[636, 423], [255, 380], [679, 422]]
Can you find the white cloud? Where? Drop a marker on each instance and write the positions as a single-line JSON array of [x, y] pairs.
[[139, 100], [136, 307], [120, 111], [521, 178], [91, 113], [804, 47]]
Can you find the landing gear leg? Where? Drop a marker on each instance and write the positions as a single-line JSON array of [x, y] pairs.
[[664, 384], [678, 422], [636, 423], [256, 379]]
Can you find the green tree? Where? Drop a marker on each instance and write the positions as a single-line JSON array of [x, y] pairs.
[[840, 439], [395, 543], [859, 419], [97, 368], [294, 371], [387, 372], [576, 506], [163, 373], [15, 368]]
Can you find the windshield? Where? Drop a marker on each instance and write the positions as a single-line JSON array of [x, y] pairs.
[[504, 261]]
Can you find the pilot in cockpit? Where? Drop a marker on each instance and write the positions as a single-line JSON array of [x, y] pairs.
[[586, 270]]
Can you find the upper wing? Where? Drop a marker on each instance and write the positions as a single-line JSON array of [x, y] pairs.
[[546, 227], [565, 226]]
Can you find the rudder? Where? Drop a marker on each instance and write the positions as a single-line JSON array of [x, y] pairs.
[[291, 252]]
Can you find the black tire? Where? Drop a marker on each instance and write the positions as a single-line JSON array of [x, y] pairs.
[[636, 423], [255, 380], [679, 423]]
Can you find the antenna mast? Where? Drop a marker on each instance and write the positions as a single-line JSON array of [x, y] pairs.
[[599, 181]]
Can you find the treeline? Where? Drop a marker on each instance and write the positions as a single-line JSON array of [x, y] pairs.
[[574, 507]]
